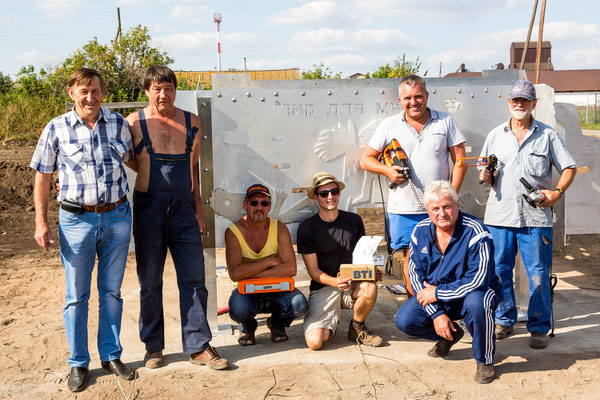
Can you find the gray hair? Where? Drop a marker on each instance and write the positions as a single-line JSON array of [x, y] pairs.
[[437, 190], [413, 80]]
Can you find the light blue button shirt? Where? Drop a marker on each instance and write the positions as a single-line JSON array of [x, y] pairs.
[[532, 160]]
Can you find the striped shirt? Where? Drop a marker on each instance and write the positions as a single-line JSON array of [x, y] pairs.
[[466, 265], [89, 161]]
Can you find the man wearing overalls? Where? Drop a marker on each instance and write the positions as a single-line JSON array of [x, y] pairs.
[[167, 214]]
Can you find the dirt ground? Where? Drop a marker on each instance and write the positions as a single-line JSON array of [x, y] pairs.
[[34, 348]]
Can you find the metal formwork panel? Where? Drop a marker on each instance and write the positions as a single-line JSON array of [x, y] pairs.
[[281, 132]]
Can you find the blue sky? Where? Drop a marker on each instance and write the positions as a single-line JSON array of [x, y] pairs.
[[346, 35]]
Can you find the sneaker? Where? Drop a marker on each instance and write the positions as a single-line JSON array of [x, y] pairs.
[[538, 340], [467, 338], [153, 359], [358, 333], [442, 347], [502, 331], [485, 373], [210, 358]]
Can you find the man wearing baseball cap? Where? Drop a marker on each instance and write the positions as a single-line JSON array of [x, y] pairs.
[[257, 246], [326, 240], [526, 148]]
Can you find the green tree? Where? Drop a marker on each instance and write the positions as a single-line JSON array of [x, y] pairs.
[[400, 68], [122, 64], [6, 84], [30, 82], [320, 71]]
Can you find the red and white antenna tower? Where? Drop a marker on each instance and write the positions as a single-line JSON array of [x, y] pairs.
[[218, 19]]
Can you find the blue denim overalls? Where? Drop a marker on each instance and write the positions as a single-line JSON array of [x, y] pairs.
[[164, 217]]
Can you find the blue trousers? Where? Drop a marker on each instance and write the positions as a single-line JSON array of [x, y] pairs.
[[166, 221], [82, 238], [284, 307], [537, 260], [477, 310]]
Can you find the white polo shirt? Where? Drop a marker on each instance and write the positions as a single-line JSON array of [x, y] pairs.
[[427, 154]]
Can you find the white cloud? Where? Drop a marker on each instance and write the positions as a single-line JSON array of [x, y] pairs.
[[29, 57], [208, 41], [305, 14], [59, 9], [362, 41], [484, 51], [192, 14]]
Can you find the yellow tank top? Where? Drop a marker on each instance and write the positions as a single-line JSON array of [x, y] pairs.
[[271, 247]]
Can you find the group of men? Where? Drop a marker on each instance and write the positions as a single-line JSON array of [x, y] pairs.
[[455, 266], [89, 147]]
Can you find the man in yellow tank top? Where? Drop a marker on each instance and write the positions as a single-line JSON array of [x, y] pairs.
[[257, 246]]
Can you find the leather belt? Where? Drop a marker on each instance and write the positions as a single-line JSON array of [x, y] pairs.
[[106, 207]]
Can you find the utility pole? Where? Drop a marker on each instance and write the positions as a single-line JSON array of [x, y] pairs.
[[218, 18], [538, 54], [119, 32], [522, 65]]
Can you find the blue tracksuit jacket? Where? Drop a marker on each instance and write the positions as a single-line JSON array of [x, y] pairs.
[[466, 266]]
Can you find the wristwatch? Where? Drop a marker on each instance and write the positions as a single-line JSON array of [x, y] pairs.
[[562, 193]]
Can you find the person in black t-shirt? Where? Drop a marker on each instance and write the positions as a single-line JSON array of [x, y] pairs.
[[326, 240]]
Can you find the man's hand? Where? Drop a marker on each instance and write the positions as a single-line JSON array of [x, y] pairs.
[[444, 326], [43, 236], [201, 223], [486, 176], [395, 174], [427, 295], [552, 196], [343, 284]]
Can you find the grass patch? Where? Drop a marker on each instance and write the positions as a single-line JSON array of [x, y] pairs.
[[23, 117]]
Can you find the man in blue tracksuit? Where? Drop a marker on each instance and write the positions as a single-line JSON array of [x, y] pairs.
[[451, 269]]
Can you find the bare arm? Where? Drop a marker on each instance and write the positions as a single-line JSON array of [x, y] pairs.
[[196, 175], [132, 120], [272, 266], [565, 180], [369, 162], [310, 261], [41, 194], [458, 174]]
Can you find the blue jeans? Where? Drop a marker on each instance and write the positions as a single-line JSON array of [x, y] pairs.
[[82, 237], [537, 259], [284, 307]]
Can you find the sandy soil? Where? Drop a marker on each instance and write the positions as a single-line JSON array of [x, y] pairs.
[[34, 348]]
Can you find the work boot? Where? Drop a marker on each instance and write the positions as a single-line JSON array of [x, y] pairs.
[[442, 347], [485, 373], [210, 358], [153, 359], [358, 333], [503, 331], [538, 340]]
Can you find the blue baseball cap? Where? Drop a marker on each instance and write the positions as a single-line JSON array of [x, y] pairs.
[[522, 89]]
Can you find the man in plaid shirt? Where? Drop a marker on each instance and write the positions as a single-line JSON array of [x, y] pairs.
[[88, 146]]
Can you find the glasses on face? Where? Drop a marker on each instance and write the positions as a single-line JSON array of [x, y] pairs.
[[325, 193], [520, 100], [264, 203]]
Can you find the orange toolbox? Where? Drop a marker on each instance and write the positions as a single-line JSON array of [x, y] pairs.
[[265, 285]]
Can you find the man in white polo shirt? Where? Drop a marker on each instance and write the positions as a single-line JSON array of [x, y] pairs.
[[427, 137]]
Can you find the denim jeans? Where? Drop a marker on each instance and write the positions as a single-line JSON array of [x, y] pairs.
[[82, 237], [284, 307], [537, 259]]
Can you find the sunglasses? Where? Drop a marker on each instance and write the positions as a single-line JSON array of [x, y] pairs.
[[264, 203], [325, 193]]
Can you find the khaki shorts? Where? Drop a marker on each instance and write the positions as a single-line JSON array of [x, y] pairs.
[[325, 308]]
